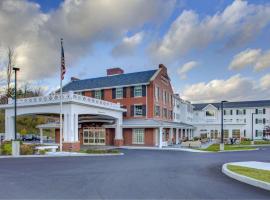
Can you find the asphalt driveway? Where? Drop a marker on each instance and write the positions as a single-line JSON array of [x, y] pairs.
[[138, 174]]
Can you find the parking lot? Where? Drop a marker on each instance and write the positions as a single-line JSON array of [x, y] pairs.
[[138, 174]]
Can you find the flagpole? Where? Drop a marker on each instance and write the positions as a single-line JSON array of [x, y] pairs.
[[61, 93]]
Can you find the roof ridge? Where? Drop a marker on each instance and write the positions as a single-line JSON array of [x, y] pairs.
[[117, 75]]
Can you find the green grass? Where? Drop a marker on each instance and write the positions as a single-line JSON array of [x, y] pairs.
[[262, 175], [101, 151], [227, 147], [256, 142]]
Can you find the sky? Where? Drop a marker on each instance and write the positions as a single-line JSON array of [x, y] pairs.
[[214, 49]]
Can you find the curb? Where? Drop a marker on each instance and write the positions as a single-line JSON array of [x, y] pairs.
[[239, 150], [57, 156], [164, 149], [245, 179]]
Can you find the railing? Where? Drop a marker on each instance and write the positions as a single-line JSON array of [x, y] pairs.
[[69, 96]]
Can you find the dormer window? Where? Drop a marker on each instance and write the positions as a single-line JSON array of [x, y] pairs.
[[210, 113]]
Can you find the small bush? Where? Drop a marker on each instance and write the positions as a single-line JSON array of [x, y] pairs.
[[42, 152], [101, 151], [6, 148], [27, 149], [196, 138]]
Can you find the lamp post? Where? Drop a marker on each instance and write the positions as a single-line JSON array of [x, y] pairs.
[[15, 144], [15, 102], [252, 134], [221, 146]]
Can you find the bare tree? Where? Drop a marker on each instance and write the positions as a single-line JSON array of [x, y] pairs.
[[10, 65]]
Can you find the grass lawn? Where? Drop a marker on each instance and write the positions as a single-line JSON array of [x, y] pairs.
[[257, 142], [101, 151], [227, 147], [262, 175]]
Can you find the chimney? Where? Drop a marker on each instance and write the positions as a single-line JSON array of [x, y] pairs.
[[74, 78], [161, 66], [114, 71]]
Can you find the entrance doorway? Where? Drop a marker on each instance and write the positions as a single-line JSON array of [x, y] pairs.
[[94, 136]]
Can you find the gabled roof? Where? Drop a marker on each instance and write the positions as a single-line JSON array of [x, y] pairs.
[[111, 81], [239, 104]]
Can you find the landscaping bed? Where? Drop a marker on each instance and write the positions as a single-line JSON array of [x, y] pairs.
[[227, 147], [101, 151], [259, 174], [256, 142]]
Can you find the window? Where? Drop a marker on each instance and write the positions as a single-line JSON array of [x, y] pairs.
[[138, 110], [157, 93], [119, 93], [228, 112], [259, 121], [226, 133], [236, 133], [165, 112], [164, 97], [157, 111], [138, 136], [241, 112], [98, 94], [210, 113], [138, 91], [259, 133]]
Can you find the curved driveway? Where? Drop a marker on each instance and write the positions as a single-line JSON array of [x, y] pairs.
[[138, 174]]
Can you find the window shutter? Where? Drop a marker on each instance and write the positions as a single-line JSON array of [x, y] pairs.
[[263, 120], [244, 111], [144, 110], [264, 111], [93, 93], [256, 111], [256, 133], [236, 112], [132, 91], [124, 92], [231, 112], [256, 121], [102, 94], [143, 90], [132, 110], [113, 93]]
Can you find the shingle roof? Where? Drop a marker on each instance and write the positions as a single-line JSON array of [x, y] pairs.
[[239, 104], [110, 81]]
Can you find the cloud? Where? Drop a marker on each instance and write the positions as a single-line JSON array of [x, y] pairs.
[[127, 45], [265, 82], [35, 35], [182, 71], [236, 25], [263, 62], [245, 58], [235, 88], [256, 58]]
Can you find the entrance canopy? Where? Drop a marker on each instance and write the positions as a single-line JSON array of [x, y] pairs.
[[73, 106]]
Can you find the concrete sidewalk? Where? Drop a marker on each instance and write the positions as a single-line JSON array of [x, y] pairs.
[[164, 149]]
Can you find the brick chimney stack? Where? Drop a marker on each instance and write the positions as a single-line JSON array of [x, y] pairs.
[[114, 71]]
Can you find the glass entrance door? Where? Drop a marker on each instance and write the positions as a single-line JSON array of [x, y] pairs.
[[94, 136]]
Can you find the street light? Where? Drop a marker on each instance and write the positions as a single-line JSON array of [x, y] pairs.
[[252, 134], [221, 146], [15, 102]]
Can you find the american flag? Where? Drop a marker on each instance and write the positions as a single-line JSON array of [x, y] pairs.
[[63, 67]]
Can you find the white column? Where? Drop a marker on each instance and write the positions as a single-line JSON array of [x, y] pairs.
[[177, 136], [181, 133], [160, 136], [170, 135], [76, 127], [65, 128], [9, 128], [41, 135], [119, 130]]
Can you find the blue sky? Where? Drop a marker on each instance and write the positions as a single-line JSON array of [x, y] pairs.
[[198, 41]]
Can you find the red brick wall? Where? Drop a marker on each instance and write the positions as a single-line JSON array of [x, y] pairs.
[[110, 134], [149, 137]]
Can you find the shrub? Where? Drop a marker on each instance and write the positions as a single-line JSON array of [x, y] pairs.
[[101, 151], [6, 148], [196, 138], [27, 149], [42, 152]]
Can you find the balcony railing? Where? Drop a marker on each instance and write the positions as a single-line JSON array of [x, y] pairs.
[[66, 97]]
